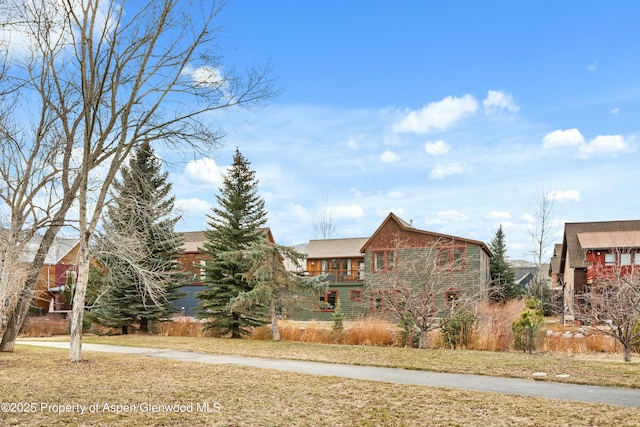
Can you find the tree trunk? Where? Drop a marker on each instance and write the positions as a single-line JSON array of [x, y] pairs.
[[79, 296], [423, 339], [275, 333], [125, 330], [15, 323], [144, 325], [627, 352]]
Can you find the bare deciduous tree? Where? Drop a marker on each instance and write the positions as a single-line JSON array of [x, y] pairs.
[[325, 228], [541, 233], [421, 284], [107, 77], [612, 303]]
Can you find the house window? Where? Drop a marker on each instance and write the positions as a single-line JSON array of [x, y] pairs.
[[383, 261], [609, 259], [625, 259], [380, 301], [451, 258], [328, 300], [356, 295], [636, 259], [452, 296]]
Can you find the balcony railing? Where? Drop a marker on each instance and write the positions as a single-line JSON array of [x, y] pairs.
[[339, 275]]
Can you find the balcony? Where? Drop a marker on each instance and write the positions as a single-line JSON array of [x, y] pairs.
[[338, 275]]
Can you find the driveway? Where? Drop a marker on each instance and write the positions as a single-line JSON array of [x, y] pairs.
[[508, 386]]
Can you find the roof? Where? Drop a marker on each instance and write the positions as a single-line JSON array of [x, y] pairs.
[[409, 228], [592, 233], [336, 248], [193, 241], [60, 247], [609, 239]]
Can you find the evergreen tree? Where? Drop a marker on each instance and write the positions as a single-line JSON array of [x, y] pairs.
[[138, 249], [503, 285], [234, 225]]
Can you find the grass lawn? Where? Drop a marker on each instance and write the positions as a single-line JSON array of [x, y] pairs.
[[240, 396], [595, 369]]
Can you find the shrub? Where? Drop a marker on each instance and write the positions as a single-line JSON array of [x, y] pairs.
[[457, 329], [527, 328]]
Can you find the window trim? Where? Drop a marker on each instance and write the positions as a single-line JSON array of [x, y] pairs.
[[387, 266], [454, 292], [355, 295], [451, 250], [325, 299]]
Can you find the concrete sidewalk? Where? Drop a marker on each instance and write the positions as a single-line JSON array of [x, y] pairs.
[[508, 386]]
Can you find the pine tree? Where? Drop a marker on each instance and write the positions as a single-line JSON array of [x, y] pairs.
[[502, 274], [234, 225], [138, 249]]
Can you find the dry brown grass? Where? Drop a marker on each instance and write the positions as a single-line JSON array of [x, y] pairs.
[[596, 369], [255, 397], [43, 326]]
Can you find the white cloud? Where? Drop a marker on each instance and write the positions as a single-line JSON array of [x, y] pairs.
[[352, 211], [615, 111], [445, 217], [389, 157], [207, 76], [604, 145], [562, 138], [395, 195], [437, 115], [440, 171], [193, 206], [564, 196], [498, 215], [352, 144], [528, 218], [592, 67], [497, 101], [436, 148], [203, 172]]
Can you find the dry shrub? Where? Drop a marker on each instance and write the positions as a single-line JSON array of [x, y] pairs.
[[363, 331], [44, 326], [370, 331], [564, 340], [493, 331], [182, 326]]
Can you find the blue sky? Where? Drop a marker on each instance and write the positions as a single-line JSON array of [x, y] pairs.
[[456, 115]]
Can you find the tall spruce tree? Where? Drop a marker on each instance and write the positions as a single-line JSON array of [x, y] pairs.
[[138, 249], [503, 285], [234, 225]]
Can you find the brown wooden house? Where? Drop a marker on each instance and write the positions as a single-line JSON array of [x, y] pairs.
[[193, 261], [589, 249], [463, 263]]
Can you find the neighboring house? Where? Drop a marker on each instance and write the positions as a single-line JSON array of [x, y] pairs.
[[349, 265], [58, 272], [193, 261], [341, 264], [588, 249], [463, 263]]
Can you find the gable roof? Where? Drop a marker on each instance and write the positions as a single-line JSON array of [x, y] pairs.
[[407, 227], [60, 247], [193, 241], [595, 235], [336, 248]]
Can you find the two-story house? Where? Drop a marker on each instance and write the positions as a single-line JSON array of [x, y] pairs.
[[590, 249], [351, 266], [458, 267]]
